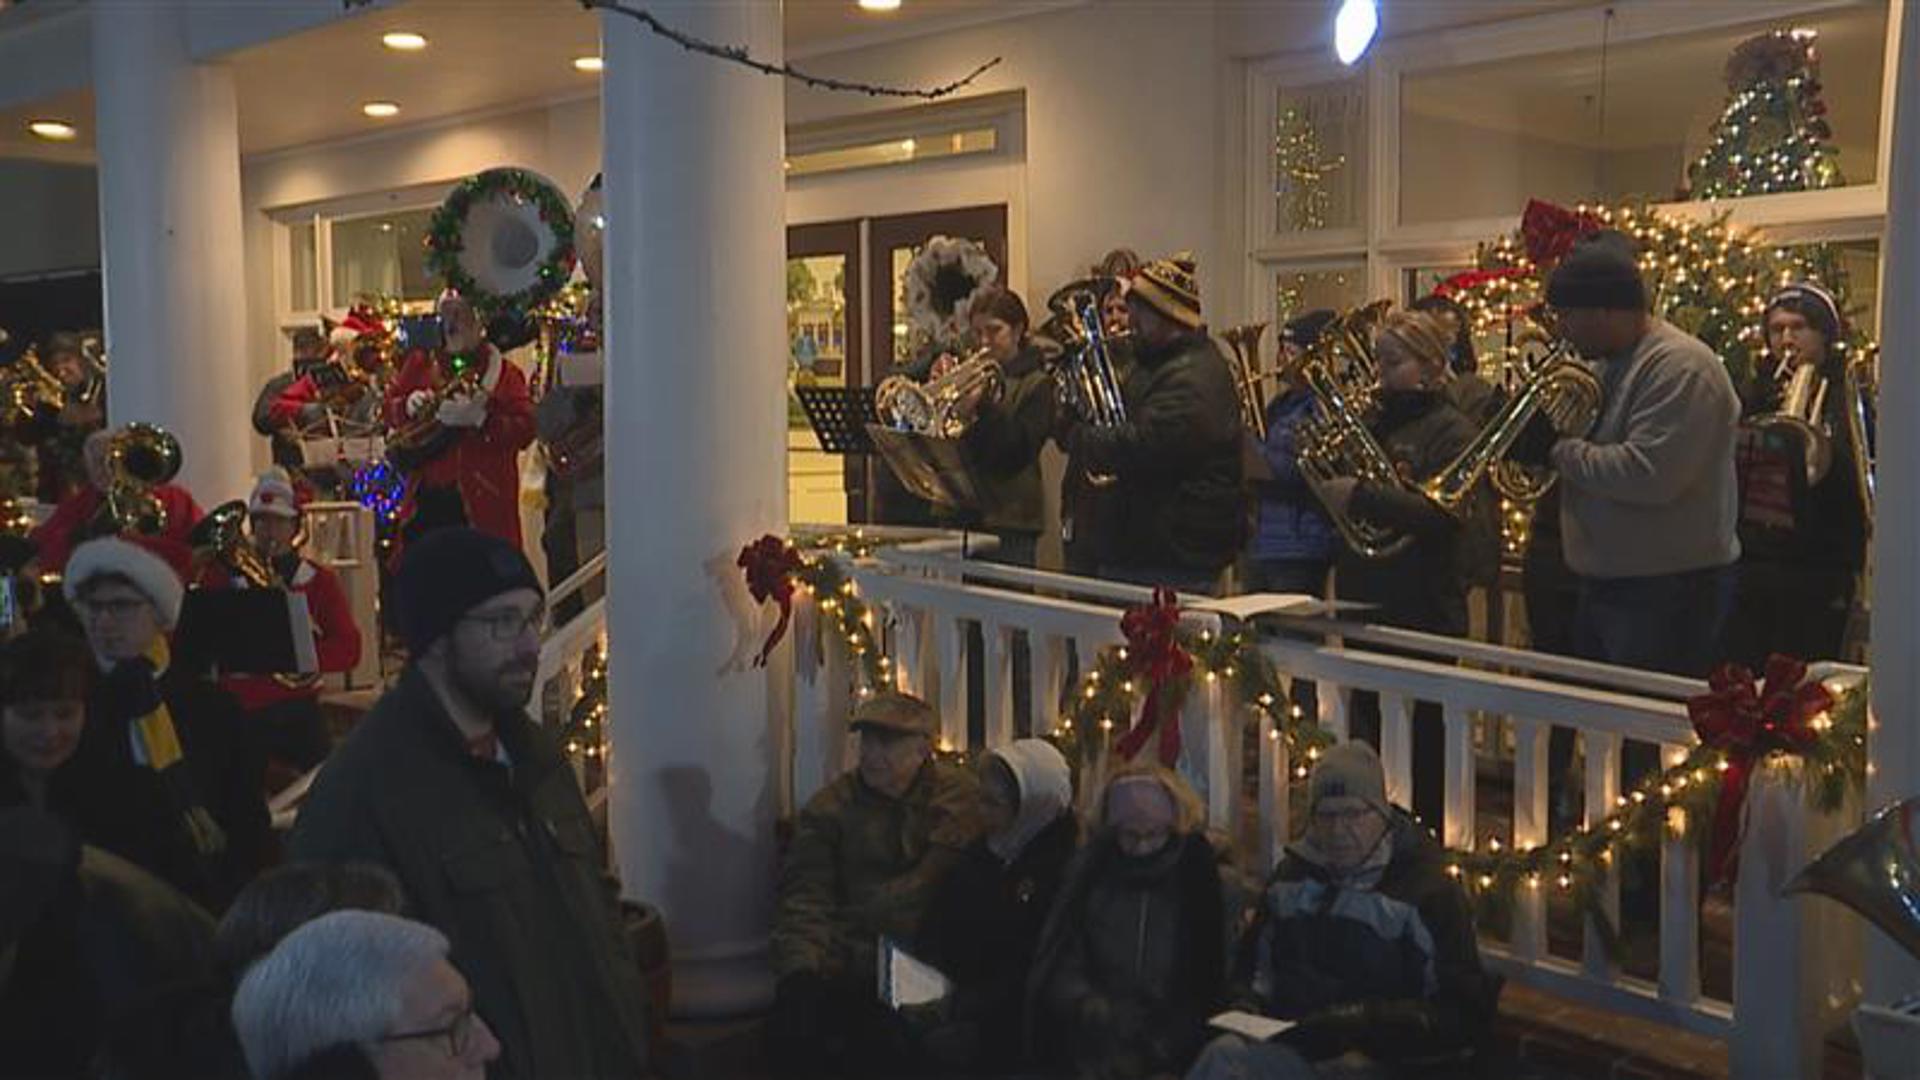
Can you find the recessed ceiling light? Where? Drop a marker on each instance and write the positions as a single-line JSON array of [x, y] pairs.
[[404, 41], [54, 130], [879, 5], [589, 63], [380, 109]]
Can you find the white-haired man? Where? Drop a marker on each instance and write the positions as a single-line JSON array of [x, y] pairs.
[[365, 981]]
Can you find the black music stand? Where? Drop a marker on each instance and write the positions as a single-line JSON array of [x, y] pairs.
[[937, 470], [839, 415]]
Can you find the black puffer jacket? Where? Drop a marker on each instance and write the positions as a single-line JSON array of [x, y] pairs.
[[1399, 953], [1177, 459], [1423, 587]]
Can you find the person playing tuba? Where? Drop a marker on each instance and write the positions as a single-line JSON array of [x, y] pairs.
[[88, 512]]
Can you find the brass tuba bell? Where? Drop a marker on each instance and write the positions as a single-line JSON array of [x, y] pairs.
[[221, 537], [140, 457], [1875, 870]]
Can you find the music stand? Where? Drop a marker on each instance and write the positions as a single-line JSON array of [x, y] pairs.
[[840, 416], [937, 470]]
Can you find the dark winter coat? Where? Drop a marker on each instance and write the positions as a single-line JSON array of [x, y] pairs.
[[1821, 525], [1004, 444], [126, 808], [1177, 459], [1088, 521], [983, 928], [1291, 523], [1131, 961], [1423, 587], [504, 861], [1402, 950]]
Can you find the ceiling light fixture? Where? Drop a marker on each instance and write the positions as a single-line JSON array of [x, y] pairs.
[[380, 110], [1354, 28], [593, 65], [54, 130], [879, 5], [403, 41]]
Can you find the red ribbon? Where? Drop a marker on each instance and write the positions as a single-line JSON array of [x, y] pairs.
[[1550, 231], [771, 563], [1154, 654], [1746, 722]]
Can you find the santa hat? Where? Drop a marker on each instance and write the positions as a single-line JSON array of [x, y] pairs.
[[273, 494], [155, 565]]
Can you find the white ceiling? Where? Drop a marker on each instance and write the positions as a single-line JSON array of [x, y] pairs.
[[481, 55]]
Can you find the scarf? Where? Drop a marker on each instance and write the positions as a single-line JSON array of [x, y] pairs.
[[134, 694]]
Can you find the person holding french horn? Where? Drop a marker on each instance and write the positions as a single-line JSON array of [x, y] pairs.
[[1804, 515]]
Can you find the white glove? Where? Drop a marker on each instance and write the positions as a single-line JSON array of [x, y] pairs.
[[418, 401], [467, 411]]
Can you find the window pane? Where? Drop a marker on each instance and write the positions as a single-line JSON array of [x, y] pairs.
[[816, 324], [382, 255], [1624, 122], [303, 265], [1298, 291], [1319, 136]]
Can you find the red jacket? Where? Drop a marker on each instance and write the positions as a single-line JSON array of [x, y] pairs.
[[66, 529], [336, 639], [484, 462]]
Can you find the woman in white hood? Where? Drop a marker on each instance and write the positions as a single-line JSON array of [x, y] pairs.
[[985, 921]]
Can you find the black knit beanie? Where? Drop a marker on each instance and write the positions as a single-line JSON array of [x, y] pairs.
[[1302, 331], [1812, 303], [1599, 272], [449, 572]]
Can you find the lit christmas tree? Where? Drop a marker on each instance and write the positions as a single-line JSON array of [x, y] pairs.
[[1773, 135]]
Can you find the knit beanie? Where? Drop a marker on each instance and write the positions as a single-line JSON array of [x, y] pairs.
[[1302, 331], [1349, 769], [1600, 272], [449, 572], [156, 565], [1171, 287], [1812, 303]]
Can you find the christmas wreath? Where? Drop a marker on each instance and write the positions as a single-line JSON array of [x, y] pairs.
[[941, 285], [446, 238]]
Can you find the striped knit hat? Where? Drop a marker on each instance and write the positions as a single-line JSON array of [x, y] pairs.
[[1171, 287]]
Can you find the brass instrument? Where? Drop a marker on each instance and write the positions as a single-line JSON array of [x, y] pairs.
[[1084, 370], [221, 537], [31, 388], [1859, 391], [140, 457], [1244, 343], [1335, 442], [1802, 415], [1875, 870], [418, 441], [943, 407], [1553, 380]]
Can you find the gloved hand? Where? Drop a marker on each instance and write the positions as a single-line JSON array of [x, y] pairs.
[[1535, 444], [465, 411], [1328, 1033], [418, 402]]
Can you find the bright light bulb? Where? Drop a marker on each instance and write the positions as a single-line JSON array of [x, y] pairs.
[[879, 5], [1353, 29], [380, 110], [54, 130], [589, 64], [403, 41]]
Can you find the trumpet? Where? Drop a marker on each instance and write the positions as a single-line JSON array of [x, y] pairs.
[[140, 457], [1244, 343], [944, 407], [1802, 414]]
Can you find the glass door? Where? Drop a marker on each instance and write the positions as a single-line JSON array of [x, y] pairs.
[[823, 349]]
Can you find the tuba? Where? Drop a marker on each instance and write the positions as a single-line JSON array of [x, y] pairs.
[[1335, 442], [1084, 372], [220, 537], [944, 407], [140, 457], [1802, 415], [1875, 870], [1244, 343]]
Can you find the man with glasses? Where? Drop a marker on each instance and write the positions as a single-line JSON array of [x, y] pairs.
[[450, 785], [356, 993], [1362, 939]]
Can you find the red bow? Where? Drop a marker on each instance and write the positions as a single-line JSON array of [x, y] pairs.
[[771, 563], [1467, 280], [1551, 231], [1746, 722], [1154, 653]]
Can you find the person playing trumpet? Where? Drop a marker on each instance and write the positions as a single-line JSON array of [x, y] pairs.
[[1803, 538], [473, 478]]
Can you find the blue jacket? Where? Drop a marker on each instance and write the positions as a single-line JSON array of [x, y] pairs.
[[1292, 524]]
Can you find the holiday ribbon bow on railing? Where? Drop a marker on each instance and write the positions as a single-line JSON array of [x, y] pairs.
[[771, 563], [1551, 231], [1746, 722], [1154, 653]]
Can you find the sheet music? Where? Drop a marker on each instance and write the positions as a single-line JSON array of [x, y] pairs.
[[1257, 1028], [305, 653], [906, 980]]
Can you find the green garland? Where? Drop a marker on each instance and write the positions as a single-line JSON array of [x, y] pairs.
[[445, 244]]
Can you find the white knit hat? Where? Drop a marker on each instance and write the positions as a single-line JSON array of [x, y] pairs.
[[140, 562], [273, 494]]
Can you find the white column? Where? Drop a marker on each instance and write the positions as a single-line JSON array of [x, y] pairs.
[[1894, 748], [696, 451], [171, 245]]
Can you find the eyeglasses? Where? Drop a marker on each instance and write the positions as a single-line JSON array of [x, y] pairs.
[[459, 1033], [112, 609], [509, 625]]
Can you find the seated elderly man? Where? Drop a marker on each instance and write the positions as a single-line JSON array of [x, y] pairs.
[[1362, 939], [356, 989], [867, 854]]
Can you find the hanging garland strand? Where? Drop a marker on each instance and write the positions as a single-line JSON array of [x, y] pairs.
[[739, 55]]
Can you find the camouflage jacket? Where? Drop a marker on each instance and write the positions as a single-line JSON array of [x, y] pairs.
[[862, 865]]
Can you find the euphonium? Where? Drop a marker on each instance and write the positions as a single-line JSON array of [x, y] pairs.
[[221, 537], [942, 407], [1335, 442], [1084, 370], [1552, 382], [1244, 343], [140, 457], [1802, 415]]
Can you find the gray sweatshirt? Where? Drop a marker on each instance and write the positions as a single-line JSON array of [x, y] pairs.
[[1651, 490]]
